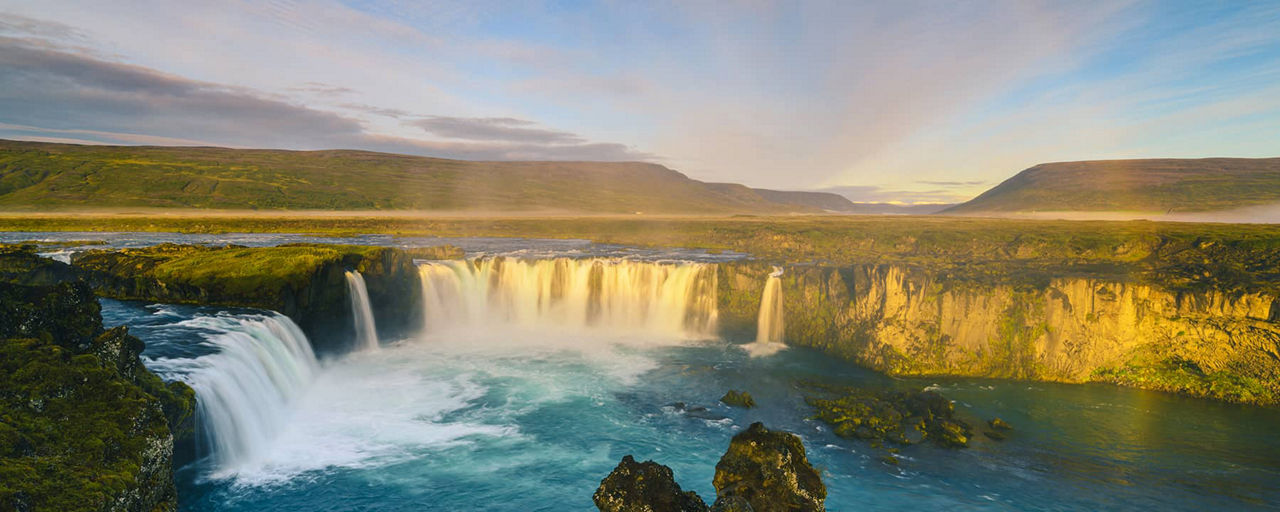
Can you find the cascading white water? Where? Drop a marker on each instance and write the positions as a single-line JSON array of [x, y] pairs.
[[362, 312], [244, 391], [668, 299], [769, 323]]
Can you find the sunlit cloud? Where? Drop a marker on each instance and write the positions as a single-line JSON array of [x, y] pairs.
[[919, 100]]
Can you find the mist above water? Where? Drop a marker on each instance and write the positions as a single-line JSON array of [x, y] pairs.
[[675, 300]]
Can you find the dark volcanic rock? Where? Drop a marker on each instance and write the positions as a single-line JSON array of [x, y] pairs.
[[769, 471], [85, 425], [738, 399], [644, 487], [695, 411], [893, 416]]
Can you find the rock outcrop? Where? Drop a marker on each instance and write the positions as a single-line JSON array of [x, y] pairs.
[[302, 281], [768, 470], [899, 417], [85, 425], [737, 398], [763, 470], [644, 487], [910, 321]]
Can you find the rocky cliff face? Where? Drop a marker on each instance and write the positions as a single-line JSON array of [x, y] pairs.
[[86, 426], [906, 321], [303, 282]]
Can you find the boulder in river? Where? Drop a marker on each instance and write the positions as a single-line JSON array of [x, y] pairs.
[[768, 470], [737, 398], [644, 487]]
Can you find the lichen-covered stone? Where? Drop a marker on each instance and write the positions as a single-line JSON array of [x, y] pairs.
[[899, 417], [644, 487], [737, 398], [769, 471], [85, 425]]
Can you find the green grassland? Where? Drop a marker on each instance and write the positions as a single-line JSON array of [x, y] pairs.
[[1171, 255], [42, 176], [1151, 185]]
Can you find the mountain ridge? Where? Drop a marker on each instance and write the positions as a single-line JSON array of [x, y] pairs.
[[42, 175], [1161, 185]]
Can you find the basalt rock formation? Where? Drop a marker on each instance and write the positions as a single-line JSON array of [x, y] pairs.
[[762, 470], [768, 470], [899, 417], [1213, 342], [302, 281], [84, 425], [644, 487]]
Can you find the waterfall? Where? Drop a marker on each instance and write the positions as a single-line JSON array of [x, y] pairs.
[[769, 323], [668, 299], [243, 391], [362, 312]]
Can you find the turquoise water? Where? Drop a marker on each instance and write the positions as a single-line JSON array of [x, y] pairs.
[[533, 420]]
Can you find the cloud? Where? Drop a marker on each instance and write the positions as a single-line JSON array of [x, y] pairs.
[[49, 93], [393, 113], [322, 89], [55, 89], [493, 129], [952, 183]]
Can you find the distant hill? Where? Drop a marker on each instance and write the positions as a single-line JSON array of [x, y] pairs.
[[36, 176], [1152, 185], [897, 209], [821, 200]]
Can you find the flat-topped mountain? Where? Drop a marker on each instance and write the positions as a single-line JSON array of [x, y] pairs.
[[1162, 185], [36, 175]]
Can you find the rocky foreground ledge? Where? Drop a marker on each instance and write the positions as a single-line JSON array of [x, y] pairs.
[[83, 424], [763, 470]]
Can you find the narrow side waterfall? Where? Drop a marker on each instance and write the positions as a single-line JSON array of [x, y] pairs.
[[668, 299], [769, 327], [243, 391], [362, 312], [769, 323]]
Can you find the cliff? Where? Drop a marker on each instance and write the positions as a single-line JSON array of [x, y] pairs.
[[905, 321], [304, 281], [83, 424]]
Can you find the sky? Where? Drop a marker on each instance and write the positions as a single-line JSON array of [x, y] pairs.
[[901, 101]]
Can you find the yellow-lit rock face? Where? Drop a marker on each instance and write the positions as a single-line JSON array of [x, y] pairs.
[[909, 322]]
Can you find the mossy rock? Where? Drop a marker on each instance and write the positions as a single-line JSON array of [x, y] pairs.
[[735, 398], [891, 416], [644, 487], [769, 470], [83, 425]]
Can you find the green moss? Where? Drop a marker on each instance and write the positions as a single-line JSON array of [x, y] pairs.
[[902, 417], [74, 433], [82, 423], [1178, 375], [738, 399]]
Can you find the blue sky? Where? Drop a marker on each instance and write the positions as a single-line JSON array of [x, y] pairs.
[[889, 101]]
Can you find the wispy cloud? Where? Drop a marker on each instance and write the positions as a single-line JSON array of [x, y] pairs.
[[915, 98], [493, 129]]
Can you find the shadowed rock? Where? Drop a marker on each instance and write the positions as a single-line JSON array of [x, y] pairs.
[[768, 471], [737, 398], [644, 487]]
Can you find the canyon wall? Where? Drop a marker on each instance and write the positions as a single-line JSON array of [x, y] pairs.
[[906, 321]]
